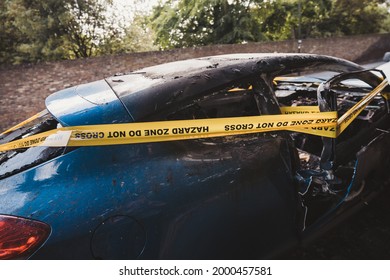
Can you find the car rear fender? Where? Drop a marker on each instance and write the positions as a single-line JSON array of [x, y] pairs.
[[87, 104]]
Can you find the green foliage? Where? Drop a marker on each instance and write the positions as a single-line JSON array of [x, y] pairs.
[[87, 27], [276, 19], [30, 31], [322, 18], [192, 23], [139, 36], [36, 30], [352, 17], [186, 23]]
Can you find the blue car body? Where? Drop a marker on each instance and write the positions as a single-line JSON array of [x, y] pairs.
[[242, 196]]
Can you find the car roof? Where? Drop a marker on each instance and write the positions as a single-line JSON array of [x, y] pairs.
[[137, 95], [151, 89]]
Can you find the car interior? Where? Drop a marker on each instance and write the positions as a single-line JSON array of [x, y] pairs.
[[328, 169]]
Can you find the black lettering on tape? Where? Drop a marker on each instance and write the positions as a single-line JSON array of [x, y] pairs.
[[133, 133], [156, 132], [331, 120], [191, 130], [265, 125], [233, 127], [279, 124], [324, 128], [116, 134], [33, 141], [303, 122], [90, 135], [298, 112]]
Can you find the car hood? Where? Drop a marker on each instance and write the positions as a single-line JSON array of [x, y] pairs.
[[87, 104]]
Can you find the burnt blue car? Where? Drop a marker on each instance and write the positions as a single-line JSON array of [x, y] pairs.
[[252, 195]]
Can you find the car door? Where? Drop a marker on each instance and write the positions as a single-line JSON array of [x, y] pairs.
[[229, 197]]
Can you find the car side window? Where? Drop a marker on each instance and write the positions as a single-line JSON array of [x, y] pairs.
[[234, 100], [15, 161]]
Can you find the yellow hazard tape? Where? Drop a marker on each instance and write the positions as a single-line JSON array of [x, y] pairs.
[[324, 131], [346, 119], [306, 119], [40, 114], [131, 133]]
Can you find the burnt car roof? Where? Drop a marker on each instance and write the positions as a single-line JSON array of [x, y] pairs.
[[168, 83], [265, 62], [148, 90]]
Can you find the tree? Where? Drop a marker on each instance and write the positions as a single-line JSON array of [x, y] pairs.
[[34, 30], [8, 34], [97, 27], [31, 31], [276, 19], [352, 17], [87, 26], [314, 15], [283, 19], [50, 29], [187, 23], [138, 36], [37, 30]]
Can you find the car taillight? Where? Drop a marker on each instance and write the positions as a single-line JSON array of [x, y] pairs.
[[20, 237]]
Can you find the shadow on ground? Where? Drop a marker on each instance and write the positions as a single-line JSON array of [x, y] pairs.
[[365, 236]]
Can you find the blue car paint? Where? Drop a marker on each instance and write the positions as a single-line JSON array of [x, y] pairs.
[[87, 104], [157, 186]]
